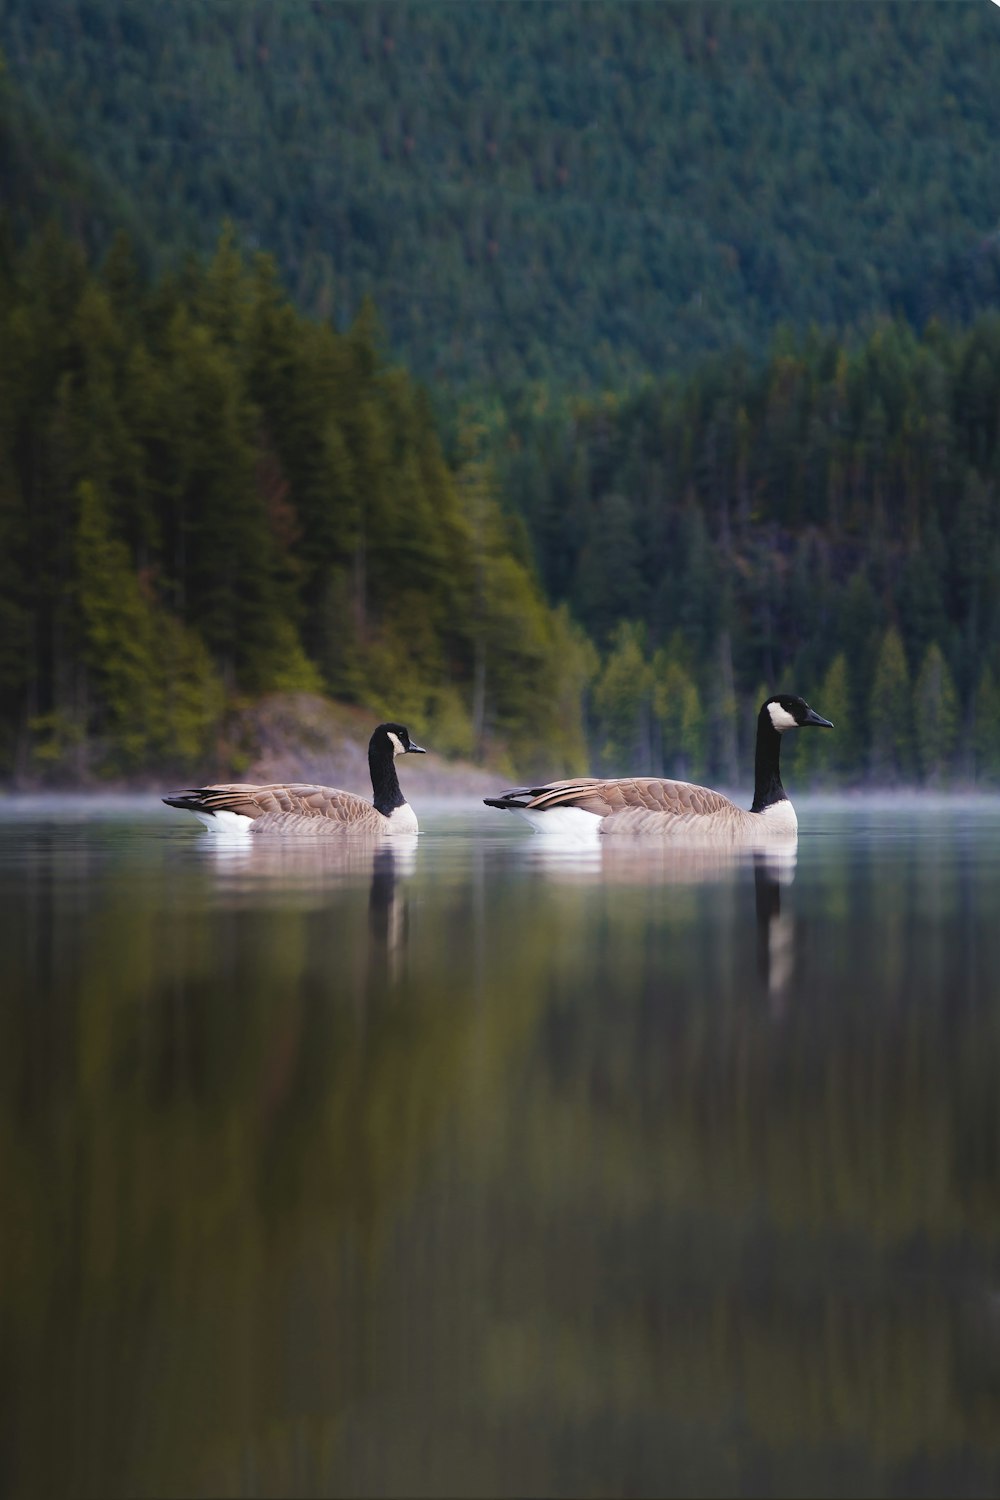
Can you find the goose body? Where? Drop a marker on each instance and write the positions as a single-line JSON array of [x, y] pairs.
[[304, 810], [674, 809]]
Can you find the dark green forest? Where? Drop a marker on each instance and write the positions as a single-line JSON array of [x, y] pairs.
[[826, 522], [205, 497], [579, 193], [614, 366]]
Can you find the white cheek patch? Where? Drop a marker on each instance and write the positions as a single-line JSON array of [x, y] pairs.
[[781, 718], [397, 744]]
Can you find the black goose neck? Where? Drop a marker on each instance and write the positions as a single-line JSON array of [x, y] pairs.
[[386, 794], [767, 788]]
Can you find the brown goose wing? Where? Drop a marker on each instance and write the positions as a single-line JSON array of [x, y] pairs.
[[552, 794], [678, 799], [286, 806]]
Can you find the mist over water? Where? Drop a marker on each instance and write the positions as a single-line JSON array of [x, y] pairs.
[[477, 1165]]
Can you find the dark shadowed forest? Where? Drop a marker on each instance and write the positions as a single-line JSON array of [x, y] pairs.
[[577, 193], [559, 378]]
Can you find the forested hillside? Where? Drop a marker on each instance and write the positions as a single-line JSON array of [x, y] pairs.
[[215, 482], [575, 193], [828, 522], [204, 496]]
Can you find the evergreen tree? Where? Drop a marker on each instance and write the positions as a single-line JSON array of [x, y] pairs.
[[935, 712], [608, 581], [890, 712], [986, 729], [512, 237], [679, 713], [833, 760], [622, 702], [118, 638], [190, 703]]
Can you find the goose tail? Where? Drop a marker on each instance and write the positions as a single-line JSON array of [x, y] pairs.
[[508, 802], [190, 801]]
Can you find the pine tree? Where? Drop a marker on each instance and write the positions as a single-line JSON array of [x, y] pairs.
[[986, 729], [679, 712], [191, 701], [118, 638], [935, 711], [833, 761], [622, 701], [890, 712], [608, 579]]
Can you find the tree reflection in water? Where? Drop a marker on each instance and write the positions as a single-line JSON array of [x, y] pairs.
[[490, 1168]]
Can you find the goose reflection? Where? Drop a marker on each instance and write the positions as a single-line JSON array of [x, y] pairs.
[[388, 916], [775, 930], [306, 866], [645, 863], [661, 862], [308, 873]]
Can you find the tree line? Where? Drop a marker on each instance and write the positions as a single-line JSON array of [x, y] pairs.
[[575, 194], [824, 521], [205, 497]]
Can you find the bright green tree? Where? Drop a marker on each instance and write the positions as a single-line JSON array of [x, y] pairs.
[[118, 653], [191, 701], [678, 710], [623, 701]]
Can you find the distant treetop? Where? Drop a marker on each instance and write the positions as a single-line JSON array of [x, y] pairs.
[[579, 193]]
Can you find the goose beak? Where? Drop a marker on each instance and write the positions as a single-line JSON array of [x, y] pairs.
[[413, 749], [814, 719]]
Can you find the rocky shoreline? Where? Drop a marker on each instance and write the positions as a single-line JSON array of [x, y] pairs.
[[287, 737]]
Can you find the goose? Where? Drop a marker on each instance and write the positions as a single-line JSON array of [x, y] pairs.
[[646, 804], [302, 809]]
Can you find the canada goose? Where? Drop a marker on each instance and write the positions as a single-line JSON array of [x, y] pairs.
[[647, 804], [302, 809]]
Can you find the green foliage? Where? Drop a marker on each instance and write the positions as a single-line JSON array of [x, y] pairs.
[[191, 697], [203, 497], [833, 749], [777, 518], [623, 699], [117, 633], [679, 712], [890, 714], [986, 728], [935, 715], [148, 683], [574, 194], [278, 509]]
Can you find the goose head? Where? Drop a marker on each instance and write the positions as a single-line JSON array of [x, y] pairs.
[[786, 711], [395, 740]]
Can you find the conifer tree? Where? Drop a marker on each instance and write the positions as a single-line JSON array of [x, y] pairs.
[[622, 701], [986, 728], [890, 713], [833, 761], [118, 637], [935, 713], [680, 715]]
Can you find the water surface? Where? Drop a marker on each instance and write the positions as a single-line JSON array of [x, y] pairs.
[[482, 1168]]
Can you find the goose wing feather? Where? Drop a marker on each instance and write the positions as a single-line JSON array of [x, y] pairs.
[[287, 807], [640, 794]]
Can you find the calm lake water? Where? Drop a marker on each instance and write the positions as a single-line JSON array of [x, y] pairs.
[[484, 1169]]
